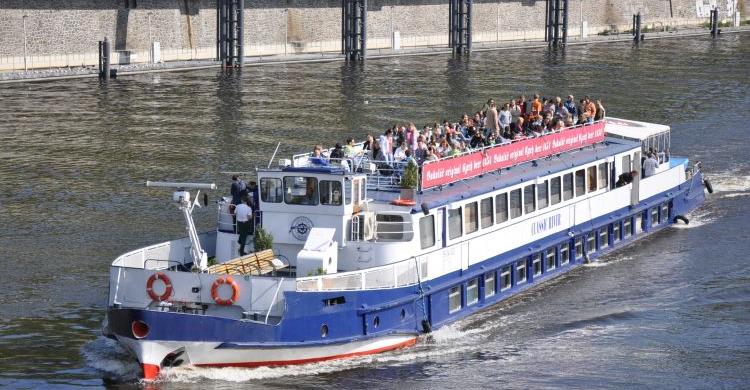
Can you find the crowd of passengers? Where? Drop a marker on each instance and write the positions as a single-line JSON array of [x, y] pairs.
[[517, 119]]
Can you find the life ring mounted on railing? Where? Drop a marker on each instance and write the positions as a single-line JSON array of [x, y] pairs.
[[215, 291], [404, 202], [168, 289]]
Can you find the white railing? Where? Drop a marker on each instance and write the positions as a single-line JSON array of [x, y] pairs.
[[401, 274]]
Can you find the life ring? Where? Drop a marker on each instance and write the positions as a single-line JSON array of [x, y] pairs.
[[681, 218], [404, 202], [708, 186], [215, 291], [167, 287]]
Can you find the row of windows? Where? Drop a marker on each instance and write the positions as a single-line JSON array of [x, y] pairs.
[[513, 204], [554, 257], [305, 190]]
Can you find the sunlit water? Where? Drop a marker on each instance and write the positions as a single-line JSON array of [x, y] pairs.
[[670, 311]]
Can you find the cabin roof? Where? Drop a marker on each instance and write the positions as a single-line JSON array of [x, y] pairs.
[[625, 128], [489, 182]]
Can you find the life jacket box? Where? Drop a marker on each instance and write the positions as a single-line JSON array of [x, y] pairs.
[[319, 255]]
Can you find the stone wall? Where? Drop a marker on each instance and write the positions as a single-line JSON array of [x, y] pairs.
[[187, 27]]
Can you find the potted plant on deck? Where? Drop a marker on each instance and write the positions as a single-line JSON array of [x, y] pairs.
[[409, 181]]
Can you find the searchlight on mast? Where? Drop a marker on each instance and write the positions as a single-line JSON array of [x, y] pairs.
[[182, 197]]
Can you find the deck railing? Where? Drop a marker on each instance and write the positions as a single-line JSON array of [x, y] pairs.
[[401, 274]]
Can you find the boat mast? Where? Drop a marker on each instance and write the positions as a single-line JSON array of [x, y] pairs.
[[182, 197]]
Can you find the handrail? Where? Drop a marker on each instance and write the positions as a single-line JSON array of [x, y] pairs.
[[273, 301], [317, 283]]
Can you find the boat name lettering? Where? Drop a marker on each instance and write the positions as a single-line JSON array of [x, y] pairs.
[[546, 223]]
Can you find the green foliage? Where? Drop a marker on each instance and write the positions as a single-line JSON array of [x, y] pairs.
[[262, 240], [410, 178]]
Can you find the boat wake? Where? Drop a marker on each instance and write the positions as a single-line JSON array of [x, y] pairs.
[[110, 358], [730, 184]]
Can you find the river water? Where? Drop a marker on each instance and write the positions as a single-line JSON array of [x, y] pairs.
[[670, 311]]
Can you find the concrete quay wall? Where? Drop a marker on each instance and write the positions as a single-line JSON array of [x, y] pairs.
[[55, 33]]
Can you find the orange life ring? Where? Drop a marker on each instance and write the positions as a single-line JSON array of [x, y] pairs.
[[215, 291], [404, 202], [167, 287]]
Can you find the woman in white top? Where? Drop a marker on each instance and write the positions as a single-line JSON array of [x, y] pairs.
[[505, 116]]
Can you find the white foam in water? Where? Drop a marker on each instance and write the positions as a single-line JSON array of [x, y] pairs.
[[616, 259], [697, 218], [106, 355]]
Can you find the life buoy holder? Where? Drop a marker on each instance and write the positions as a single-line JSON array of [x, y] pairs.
[[404, 202], [215, 291], [167, 287]]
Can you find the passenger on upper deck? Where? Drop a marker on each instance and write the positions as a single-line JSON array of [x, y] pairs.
[[491, 118], [650, 165], [505, 116], [589, 109], [536, 106], [599, 111], [570, 105]]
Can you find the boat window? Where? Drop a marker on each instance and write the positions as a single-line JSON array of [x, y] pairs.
[[489, 284], [564, 254], [472, 291], [363, 190], [568, 186], [515, 203], [580, 182], [541, 192], [505, 280], [348, 191], [554, 190], [550, 262], [529, 198], [454, 223], [486, 212], [626, 164], [627, 228], [501, 208], [603, 175], [427, 231], [454, 299], [664, 214], [591, 242], [592, 178], [301, 190], [616, 231], [330, 193], [357, 195], [579, 247], [390, 227], [270, 190], [536, 264], [604, 237], [638, 223], [471, 221], [520, 272], [654, 216]]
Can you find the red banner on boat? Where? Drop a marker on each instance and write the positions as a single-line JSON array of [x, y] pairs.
[[450, 170]]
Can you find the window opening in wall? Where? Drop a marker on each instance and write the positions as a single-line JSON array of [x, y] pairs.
[[489, 284], [347, 191], [390, 227], [564, 254], [486, 212], [654, 216], [301, 190], [638, 223], [580, 182], [627, 227], [603, 237], [550, 256], [515, 203], [616, 231], [579, 247], [454, 299], [505, 279], [541, 191], [521, 272], [528, 199], [591, 242], [270, 190], [501, 208], [554, 191], [471, 221], [664, 214], [472, 291], [427, 231], [603, 175], [454, 223], [536, 264], [568, 186], [330, 193], [592, 178]]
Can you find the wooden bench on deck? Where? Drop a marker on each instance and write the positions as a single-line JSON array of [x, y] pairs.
[[257, 263]]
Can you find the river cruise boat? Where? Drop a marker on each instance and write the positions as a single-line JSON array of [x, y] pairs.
[[355, 268]]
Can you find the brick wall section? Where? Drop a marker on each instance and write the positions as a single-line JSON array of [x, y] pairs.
[[75, 26]]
